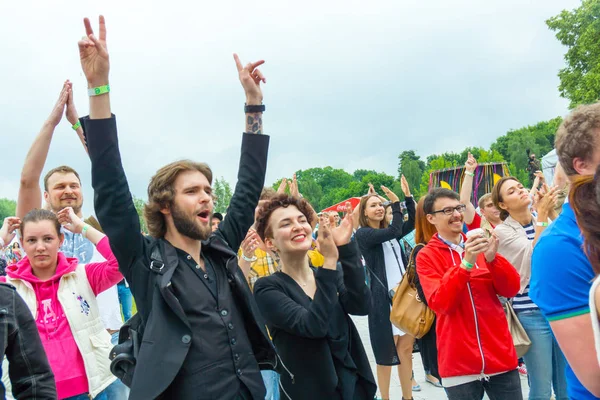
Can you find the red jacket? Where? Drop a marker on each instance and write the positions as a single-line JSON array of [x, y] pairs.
[[473, 335]]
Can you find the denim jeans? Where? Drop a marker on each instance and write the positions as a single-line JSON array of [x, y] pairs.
[[505, 386], [271, 380], [545, 361], [85, 396], [125, 299]]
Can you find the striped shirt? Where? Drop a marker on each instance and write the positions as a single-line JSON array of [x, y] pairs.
[[523, 301]]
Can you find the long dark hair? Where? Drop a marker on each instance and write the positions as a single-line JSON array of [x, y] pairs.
[[585, 201]]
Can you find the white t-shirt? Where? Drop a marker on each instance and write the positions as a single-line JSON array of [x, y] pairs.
[[394, 270]]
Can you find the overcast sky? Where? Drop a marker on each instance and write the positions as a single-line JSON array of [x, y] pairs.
[[350, 84]]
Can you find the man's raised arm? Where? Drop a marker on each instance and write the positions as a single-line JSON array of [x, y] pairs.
[[466, 189], [30, 193], [112, 199], [253, 160]]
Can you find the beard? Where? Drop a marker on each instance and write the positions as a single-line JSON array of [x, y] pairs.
[[188, 226]]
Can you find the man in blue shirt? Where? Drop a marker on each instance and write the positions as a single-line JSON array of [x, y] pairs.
[[561, 274]]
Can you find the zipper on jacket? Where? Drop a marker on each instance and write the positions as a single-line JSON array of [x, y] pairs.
[[477, 330]]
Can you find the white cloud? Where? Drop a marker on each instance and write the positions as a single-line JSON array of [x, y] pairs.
[[349, 84]]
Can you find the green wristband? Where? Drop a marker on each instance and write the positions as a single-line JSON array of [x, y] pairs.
[[542, 224], [77, 125], [84, 230], [97, 91], [469, 173], [467, 264]]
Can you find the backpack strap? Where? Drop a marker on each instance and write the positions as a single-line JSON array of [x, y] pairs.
[[157, 265]]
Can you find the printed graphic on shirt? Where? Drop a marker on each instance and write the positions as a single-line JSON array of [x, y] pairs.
[[85, 307], [48, 314], [75, 245]]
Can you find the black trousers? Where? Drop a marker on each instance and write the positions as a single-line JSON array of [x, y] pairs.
[[505, 386], [429, 354]]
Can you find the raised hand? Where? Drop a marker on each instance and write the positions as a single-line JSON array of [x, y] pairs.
[[546, 199], [59, 108], [251, 77], [390, 195], [327, 246], [342, 233], [471, 164], [294, 191], [9, 229], [250, 243], [71, 111], [371, 189], [94, 55], [405, 187], [69, 220], [282, 186]]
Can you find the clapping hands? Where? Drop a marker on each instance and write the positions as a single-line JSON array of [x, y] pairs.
[[69, 220]]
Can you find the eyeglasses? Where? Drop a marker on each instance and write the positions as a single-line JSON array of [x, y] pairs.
[[450, 210]]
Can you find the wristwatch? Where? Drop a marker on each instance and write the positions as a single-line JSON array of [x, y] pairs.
[[254, 108]]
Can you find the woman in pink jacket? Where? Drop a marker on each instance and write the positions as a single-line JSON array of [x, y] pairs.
[[61, 294]]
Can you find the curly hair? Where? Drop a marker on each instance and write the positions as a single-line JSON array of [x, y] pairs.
[[263, 228], [161, 192], [578, 136]]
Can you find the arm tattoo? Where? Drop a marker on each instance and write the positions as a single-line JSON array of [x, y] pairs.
[[254, 123]]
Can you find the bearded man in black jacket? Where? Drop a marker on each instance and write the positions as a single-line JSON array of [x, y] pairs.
[[203, 337]]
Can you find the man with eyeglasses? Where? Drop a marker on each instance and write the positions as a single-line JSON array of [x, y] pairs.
[[462, 279]]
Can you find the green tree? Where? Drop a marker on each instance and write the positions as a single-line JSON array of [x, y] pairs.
[[139, 207], [223, 193], [579, 30], [412, 167], [7, 209]]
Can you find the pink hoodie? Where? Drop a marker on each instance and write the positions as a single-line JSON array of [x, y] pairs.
[[64, 356]]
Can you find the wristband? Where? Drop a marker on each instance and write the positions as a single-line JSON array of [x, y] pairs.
[[84, 230], [77, 125], [249, 259], [469, 173], [97, 91], [254, 109], [467, 265], [544, 224]]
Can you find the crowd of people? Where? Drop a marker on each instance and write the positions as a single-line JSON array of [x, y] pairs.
[[257, 303]]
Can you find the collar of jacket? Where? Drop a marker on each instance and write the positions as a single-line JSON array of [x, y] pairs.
[[516, 226]]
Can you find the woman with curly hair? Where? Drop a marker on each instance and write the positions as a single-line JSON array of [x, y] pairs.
[[307, 309]]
